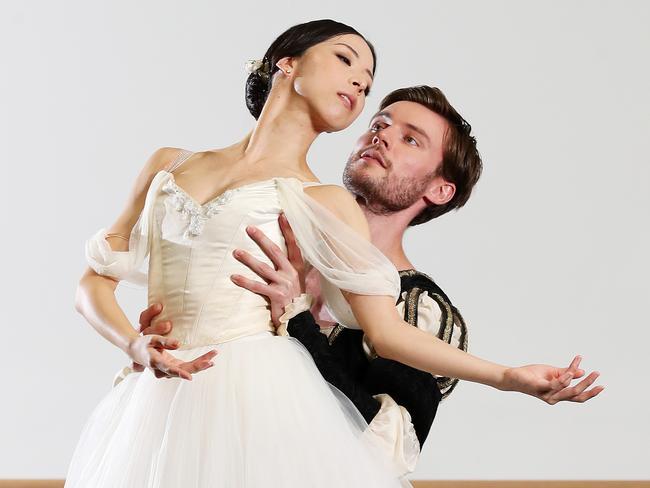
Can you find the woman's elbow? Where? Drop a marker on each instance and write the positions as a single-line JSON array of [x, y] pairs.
[[380, 344], [80, 294], [86, 288]]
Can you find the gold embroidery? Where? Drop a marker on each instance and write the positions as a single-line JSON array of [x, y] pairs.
[[446, 330], [334, 334], [412, 306]]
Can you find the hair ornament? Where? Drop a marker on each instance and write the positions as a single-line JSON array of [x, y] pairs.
[[258, 66]]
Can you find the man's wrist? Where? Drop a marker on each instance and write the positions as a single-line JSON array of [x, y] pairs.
[[298, 305]]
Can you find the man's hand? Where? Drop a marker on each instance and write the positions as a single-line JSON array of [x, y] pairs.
[[285, 281], [150, 349], [552, 384]]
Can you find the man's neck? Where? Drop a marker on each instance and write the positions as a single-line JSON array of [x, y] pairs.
[[387, 234]]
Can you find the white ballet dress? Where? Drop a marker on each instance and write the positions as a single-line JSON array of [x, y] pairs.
[[262, 416]]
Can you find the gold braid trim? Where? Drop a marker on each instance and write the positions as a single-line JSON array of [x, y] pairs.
[[446, 321], [449, 319], [334, 334], [411, 308]]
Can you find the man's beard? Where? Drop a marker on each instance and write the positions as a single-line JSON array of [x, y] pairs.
[[386, 194]]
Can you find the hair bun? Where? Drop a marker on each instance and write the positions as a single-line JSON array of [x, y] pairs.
[[257, 90]]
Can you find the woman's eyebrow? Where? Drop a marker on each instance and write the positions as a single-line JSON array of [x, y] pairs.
[[356, 54]]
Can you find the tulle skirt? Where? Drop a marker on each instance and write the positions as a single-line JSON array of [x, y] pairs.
[[262, 416]]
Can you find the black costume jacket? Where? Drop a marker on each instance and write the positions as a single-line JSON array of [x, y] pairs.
[[342, 361]]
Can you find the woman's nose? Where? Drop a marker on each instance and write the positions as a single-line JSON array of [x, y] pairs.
[[359, 86]]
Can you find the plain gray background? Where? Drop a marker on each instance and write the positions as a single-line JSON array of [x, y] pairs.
[[547, 260]]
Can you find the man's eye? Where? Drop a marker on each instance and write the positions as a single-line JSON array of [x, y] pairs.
[[345, 59], [410, 140], [375, 127]]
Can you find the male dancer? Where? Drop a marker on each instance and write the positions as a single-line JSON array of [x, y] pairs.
[[417, 161]]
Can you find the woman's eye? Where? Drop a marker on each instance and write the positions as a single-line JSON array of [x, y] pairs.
[[345, 59]]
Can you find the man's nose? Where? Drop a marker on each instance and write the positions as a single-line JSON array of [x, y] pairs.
[[380, 138]]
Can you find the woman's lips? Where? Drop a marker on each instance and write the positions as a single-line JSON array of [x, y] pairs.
[[347, 100]]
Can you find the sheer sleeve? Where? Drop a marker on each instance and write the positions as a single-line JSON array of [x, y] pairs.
[[126, 265], [345, 260]]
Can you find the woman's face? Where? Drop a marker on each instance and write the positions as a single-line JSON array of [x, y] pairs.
[[333, 78]]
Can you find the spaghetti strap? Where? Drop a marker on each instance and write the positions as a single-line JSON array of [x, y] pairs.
[[182, 156]]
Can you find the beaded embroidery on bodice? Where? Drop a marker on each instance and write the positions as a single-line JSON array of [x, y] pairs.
[[191, 210]]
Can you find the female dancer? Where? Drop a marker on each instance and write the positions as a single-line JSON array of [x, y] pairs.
[[261, 414]]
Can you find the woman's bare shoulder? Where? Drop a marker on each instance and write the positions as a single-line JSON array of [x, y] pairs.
[[330, 194], [341, 203], [159, 160]]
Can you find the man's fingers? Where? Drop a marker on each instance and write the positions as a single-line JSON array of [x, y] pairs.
[[148, 314], [161, 342], [261, 269], [293, 251], [161, 328], [268, 247], [255, 286]]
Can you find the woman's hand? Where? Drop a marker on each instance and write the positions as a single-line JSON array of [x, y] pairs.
[[551, 384], [150, 349]]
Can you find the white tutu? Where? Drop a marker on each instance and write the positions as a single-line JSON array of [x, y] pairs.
[[262, 416]]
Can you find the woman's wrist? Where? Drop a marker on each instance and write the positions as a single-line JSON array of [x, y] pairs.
[[129, 343], [496, 377]]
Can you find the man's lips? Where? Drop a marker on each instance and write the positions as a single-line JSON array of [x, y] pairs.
[[373, 154], [349, 100]]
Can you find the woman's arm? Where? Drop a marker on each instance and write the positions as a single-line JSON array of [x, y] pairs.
[[95, 296], [394, 339]]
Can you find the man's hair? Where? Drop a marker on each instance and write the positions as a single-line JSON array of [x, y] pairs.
[[461, 162]]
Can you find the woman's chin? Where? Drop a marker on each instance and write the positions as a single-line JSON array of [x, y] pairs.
[[336, 124]]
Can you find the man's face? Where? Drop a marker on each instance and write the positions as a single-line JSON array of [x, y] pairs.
[[395, 162]]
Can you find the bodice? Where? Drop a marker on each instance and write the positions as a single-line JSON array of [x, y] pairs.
[[189, 249], [191, 260]]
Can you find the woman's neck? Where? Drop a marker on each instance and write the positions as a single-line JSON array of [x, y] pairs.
[[282, 136]]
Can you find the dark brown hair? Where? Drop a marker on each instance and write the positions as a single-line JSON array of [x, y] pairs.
[[461, 162], [293, 43]]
